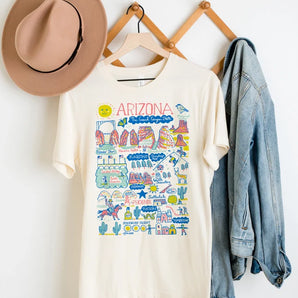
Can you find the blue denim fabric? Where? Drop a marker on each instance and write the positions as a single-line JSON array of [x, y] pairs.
[[254, 212], [222, 278]]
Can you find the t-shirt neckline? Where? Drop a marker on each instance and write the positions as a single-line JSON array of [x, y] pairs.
[[108, 68]]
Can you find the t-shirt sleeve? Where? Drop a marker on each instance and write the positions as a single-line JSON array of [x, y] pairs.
[[214, 126], [65, 153]]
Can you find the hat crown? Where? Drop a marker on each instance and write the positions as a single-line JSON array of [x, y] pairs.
[[87, 36], [47, 37]]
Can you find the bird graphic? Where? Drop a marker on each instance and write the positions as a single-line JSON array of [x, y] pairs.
[[181, 108], [122, 122]]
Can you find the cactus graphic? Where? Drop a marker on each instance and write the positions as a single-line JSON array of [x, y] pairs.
[[103, 228], [137, 212], [116, 228], [182, 191]]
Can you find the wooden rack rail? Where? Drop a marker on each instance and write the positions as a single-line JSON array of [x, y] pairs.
[[169, 44]]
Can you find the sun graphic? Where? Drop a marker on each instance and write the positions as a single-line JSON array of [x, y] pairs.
[[153, 188], [105, 110]]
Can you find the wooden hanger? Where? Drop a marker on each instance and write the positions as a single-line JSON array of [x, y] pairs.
[[135, 40], [136, 10]]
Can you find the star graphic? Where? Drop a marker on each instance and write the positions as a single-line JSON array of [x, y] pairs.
[[142, 194]]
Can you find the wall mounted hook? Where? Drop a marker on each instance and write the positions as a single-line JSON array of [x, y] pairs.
[[205, 4], [135, 7]]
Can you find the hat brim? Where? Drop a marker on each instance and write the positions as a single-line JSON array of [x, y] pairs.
[[94, 22]]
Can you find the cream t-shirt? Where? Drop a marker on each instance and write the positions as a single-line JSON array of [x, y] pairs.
[[147, 151]]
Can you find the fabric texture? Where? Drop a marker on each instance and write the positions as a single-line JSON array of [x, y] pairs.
[[147, 152], [222, 278], [254, 209]]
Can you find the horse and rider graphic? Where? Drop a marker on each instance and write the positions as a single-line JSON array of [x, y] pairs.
[[110, 211]]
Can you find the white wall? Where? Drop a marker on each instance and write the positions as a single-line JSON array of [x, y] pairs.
[[40, 213]]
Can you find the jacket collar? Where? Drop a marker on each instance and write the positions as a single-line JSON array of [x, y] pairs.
[[231, 50]]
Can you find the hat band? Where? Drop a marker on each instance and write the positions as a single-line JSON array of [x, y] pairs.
[[80, 40]]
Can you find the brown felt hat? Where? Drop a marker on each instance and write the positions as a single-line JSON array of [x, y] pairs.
[[50, 46]]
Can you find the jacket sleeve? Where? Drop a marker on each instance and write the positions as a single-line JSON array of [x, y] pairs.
[[265, 196], [242, 231]]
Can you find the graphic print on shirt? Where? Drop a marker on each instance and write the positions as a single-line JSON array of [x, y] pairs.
[[142, 168]]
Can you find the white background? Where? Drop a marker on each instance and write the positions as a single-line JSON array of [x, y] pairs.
[[40, 213]]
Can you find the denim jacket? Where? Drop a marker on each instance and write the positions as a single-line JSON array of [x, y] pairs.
[[247, 211], [256, 218]]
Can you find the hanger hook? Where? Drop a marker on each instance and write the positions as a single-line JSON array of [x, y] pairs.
[[137, 5]]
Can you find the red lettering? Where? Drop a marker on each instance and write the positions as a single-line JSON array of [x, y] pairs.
[[142, 107], [167, 108], [121, 109], [159, 109], [151, 109], [130, 109]]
